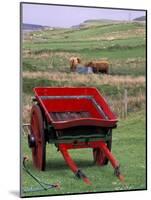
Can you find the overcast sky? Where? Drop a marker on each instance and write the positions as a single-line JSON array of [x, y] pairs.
[[65, 16]]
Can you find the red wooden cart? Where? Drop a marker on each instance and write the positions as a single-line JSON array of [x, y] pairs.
[[72, 118]]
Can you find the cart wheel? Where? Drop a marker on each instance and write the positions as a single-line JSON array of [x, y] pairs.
[[109, 145], [37, 131], [99, 156]]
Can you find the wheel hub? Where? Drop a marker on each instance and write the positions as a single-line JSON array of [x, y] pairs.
[[31, 141]]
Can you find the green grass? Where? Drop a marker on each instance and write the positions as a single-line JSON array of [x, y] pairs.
[[129, 147], [117, 59], [101, 30], [105, 89], [87, 44], [115, 53], [29, 84], [132, 69]]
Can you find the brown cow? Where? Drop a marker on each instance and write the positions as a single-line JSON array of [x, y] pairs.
[[74, 61], [99, 66]]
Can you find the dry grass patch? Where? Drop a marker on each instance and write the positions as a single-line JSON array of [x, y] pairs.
[[135, 103], [26, 107], [120, 35], [48, 54], [92, 79]]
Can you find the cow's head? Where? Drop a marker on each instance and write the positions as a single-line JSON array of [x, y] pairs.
[[74, 61], [89, 64]]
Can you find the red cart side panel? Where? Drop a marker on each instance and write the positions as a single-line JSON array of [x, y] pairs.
[[85, 122], [72, 105], [75, 100]]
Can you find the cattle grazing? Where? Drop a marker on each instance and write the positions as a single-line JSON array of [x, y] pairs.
[[74, 62], [99, 66]]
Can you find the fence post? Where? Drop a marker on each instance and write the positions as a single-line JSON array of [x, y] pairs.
[[125, 103], [120, 106]]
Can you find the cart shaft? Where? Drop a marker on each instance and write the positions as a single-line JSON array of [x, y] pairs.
[[64, 147]]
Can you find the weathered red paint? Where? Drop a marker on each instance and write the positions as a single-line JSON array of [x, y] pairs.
[[64, 147], [75, 105]]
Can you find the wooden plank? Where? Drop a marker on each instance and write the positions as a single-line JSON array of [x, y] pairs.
[[65, 116]]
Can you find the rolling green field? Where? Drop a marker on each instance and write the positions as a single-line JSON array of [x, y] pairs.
[[123, 45], [45, 62]]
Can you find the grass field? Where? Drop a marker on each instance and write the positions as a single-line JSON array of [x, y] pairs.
[[45, 62], [123, 45], [129, 146]]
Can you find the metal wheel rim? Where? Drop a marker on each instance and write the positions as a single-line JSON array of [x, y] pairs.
[[37, 129]]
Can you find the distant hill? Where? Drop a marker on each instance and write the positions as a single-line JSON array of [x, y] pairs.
[[142, 18], [32, 27], [94, 22], [99, 20]]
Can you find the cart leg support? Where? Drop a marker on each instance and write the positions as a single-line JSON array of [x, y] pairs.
[[115, 164], [72, 165], [97, 144]]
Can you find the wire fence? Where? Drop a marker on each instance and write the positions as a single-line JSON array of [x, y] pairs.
[[124, 104]]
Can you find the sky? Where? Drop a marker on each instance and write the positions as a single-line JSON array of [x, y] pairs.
[[67, 16]]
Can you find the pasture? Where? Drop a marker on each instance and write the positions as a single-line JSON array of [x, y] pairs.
[[45, 62]]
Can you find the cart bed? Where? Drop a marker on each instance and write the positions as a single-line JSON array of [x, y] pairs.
[[70, 107], [65, 116]]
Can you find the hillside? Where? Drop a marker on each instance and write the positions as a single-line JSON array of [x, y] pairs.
[[32, 27], [93, 22], [120, 43], [142, 18]]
